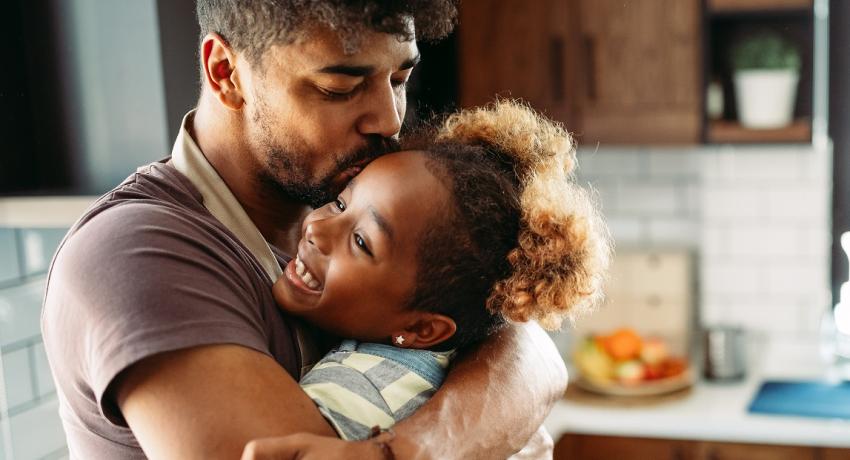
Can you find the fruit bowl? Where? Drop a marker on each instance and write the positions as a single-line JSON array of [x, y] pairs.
[[623, 363], [647, 388]]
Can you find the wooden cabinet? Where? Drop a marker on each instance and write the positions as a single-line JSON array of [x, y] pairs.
[[639, 70], [516, 48], [613, 71], [591, 447], [583, 447]]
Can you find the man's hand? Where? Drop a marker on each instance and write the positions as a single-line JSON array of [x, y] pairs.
[[304, 446], [493, 401]]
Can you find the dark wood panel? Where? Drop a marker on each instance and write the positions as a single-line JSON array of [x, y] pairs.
[[730, 451], [642, 67], [515, 48], [595, 447], [724, 131], [585, 447]]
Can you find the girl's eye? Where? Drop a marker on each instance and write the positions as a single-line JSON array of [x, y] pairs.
[[361, 243], [340, 205]]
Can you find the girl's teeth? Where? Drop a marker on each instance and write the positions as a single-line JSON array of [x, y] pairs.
[[305, 275]]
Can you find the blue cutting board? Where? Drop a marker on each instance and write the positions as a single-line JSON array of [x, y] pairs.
[[807, 399]]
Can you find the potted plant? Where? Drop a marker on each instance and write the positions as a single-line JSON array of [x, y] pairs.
[[766, 72]]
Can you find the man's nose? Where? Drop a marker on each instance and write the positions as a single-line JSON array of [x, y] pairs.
[[384, 112]]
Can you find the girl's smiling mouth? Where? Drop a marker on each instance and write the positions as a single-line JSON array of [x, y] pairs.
[[302, 278]]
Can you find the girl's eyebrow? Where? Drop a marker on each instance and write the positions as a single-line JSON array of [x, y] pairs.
[[381, 222]]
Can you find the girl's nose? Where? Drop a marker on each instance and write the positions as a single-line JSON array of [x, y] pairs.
[[318, 235]]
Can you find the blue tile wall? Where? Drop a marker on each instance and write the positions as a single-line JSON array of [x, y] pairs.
[[44, 379], [20, 313], [37, 248], [30, 416], [10, 269], [18, 378]]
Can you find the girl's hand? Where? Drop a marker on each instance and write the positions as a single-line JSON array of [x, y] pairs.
[[304, 446]]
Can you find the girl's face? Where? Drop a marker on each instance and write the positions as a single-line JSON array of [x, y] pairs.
[[357, 259]]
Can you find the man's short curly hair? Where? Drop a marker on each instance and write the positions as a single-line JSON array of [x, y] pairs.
[[252, 26]]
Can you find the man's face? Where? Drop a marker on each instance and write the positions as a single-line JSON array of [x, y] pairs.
[[316, 115]]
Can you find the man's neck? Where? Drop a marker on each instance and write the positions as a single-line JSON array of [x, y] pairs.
[[278, 220]]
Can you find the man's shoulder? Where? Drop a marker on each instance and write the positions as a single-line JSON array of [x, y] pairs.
[[156, 190]]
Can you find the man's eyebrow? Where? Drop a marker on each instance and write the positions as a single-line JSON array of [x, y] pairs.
[[365, 70], [349, 70], [382, 223], [411, 63]]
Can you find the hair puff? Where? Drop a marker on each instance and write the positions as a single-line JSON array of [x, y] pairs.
[[563, 252]]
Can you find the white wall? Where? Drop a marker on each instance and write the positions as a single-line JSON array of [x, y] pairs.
[[757, 217]]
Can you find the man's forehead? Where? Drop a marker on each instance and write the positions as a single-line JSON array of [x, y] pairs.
[[321, 48]]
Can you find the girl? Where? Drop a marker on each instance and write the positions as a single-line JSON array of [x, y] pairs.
[[476, 223]]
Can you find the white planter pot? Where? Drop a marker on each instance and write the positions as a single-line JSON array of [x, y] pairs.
[[765, 98]]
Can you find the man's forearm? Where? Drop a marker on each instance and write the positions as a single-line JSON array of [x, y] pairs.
[[492, 401]]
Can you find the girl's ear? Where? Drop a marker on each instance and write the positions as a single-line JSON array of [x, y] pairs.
[[427, 330]]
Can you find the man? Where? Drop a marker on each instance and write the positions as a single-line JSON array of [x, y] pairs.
[[158, 320]]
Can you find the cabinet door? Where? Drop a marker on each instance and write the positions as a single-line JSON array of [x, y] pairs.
[[516, 48], [589, 447], [614, 71], [639, 70]]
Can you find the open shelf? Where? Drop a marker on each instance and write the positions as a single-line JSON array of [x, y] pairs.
[[746, 6], [731, 132]]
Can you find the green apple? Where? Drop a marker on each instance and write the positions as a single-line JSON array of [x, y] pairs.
[[593, 362]]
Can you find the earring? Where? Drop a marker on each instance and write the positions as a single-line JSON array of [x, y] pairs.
[[399, 340]]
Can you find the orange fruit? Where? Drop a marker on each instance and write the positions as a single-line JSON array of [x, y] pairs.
[[624, 344]]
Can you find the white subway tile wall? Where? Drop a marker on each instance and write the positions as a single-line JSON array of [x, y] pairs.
[[757, 217], [30, 427]]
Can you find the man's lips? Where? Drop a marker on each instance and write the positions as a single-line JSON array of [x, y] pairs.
[[343, 178]]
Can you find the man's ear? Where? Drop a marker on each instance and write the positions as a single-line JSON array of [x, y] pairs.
[[219, 65], [427, 330]]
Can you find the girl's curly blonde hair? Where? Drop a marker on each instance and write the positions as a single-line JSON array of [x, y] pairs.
[[559, 265], [535, 240]]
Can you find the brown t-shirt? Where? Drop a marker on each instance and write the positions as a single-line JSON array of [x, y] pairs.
[[146, 270]]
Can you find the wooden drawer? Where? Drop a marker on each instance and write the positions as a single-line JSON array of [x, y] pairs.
[[593, 447]]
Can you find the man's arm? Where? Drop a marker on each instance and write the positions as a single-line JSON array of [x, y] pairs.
[[208, 402], [493, 400]]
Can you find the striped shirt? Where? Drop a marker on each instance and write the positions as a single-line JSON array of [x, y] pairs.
[[361, 385]]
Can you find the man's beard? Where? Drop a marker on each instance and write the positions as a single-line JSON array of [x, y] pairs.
[[288, 176]]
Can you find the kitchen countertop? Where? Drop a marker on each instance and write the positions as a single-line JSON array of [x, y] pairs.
[[712, 411]]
